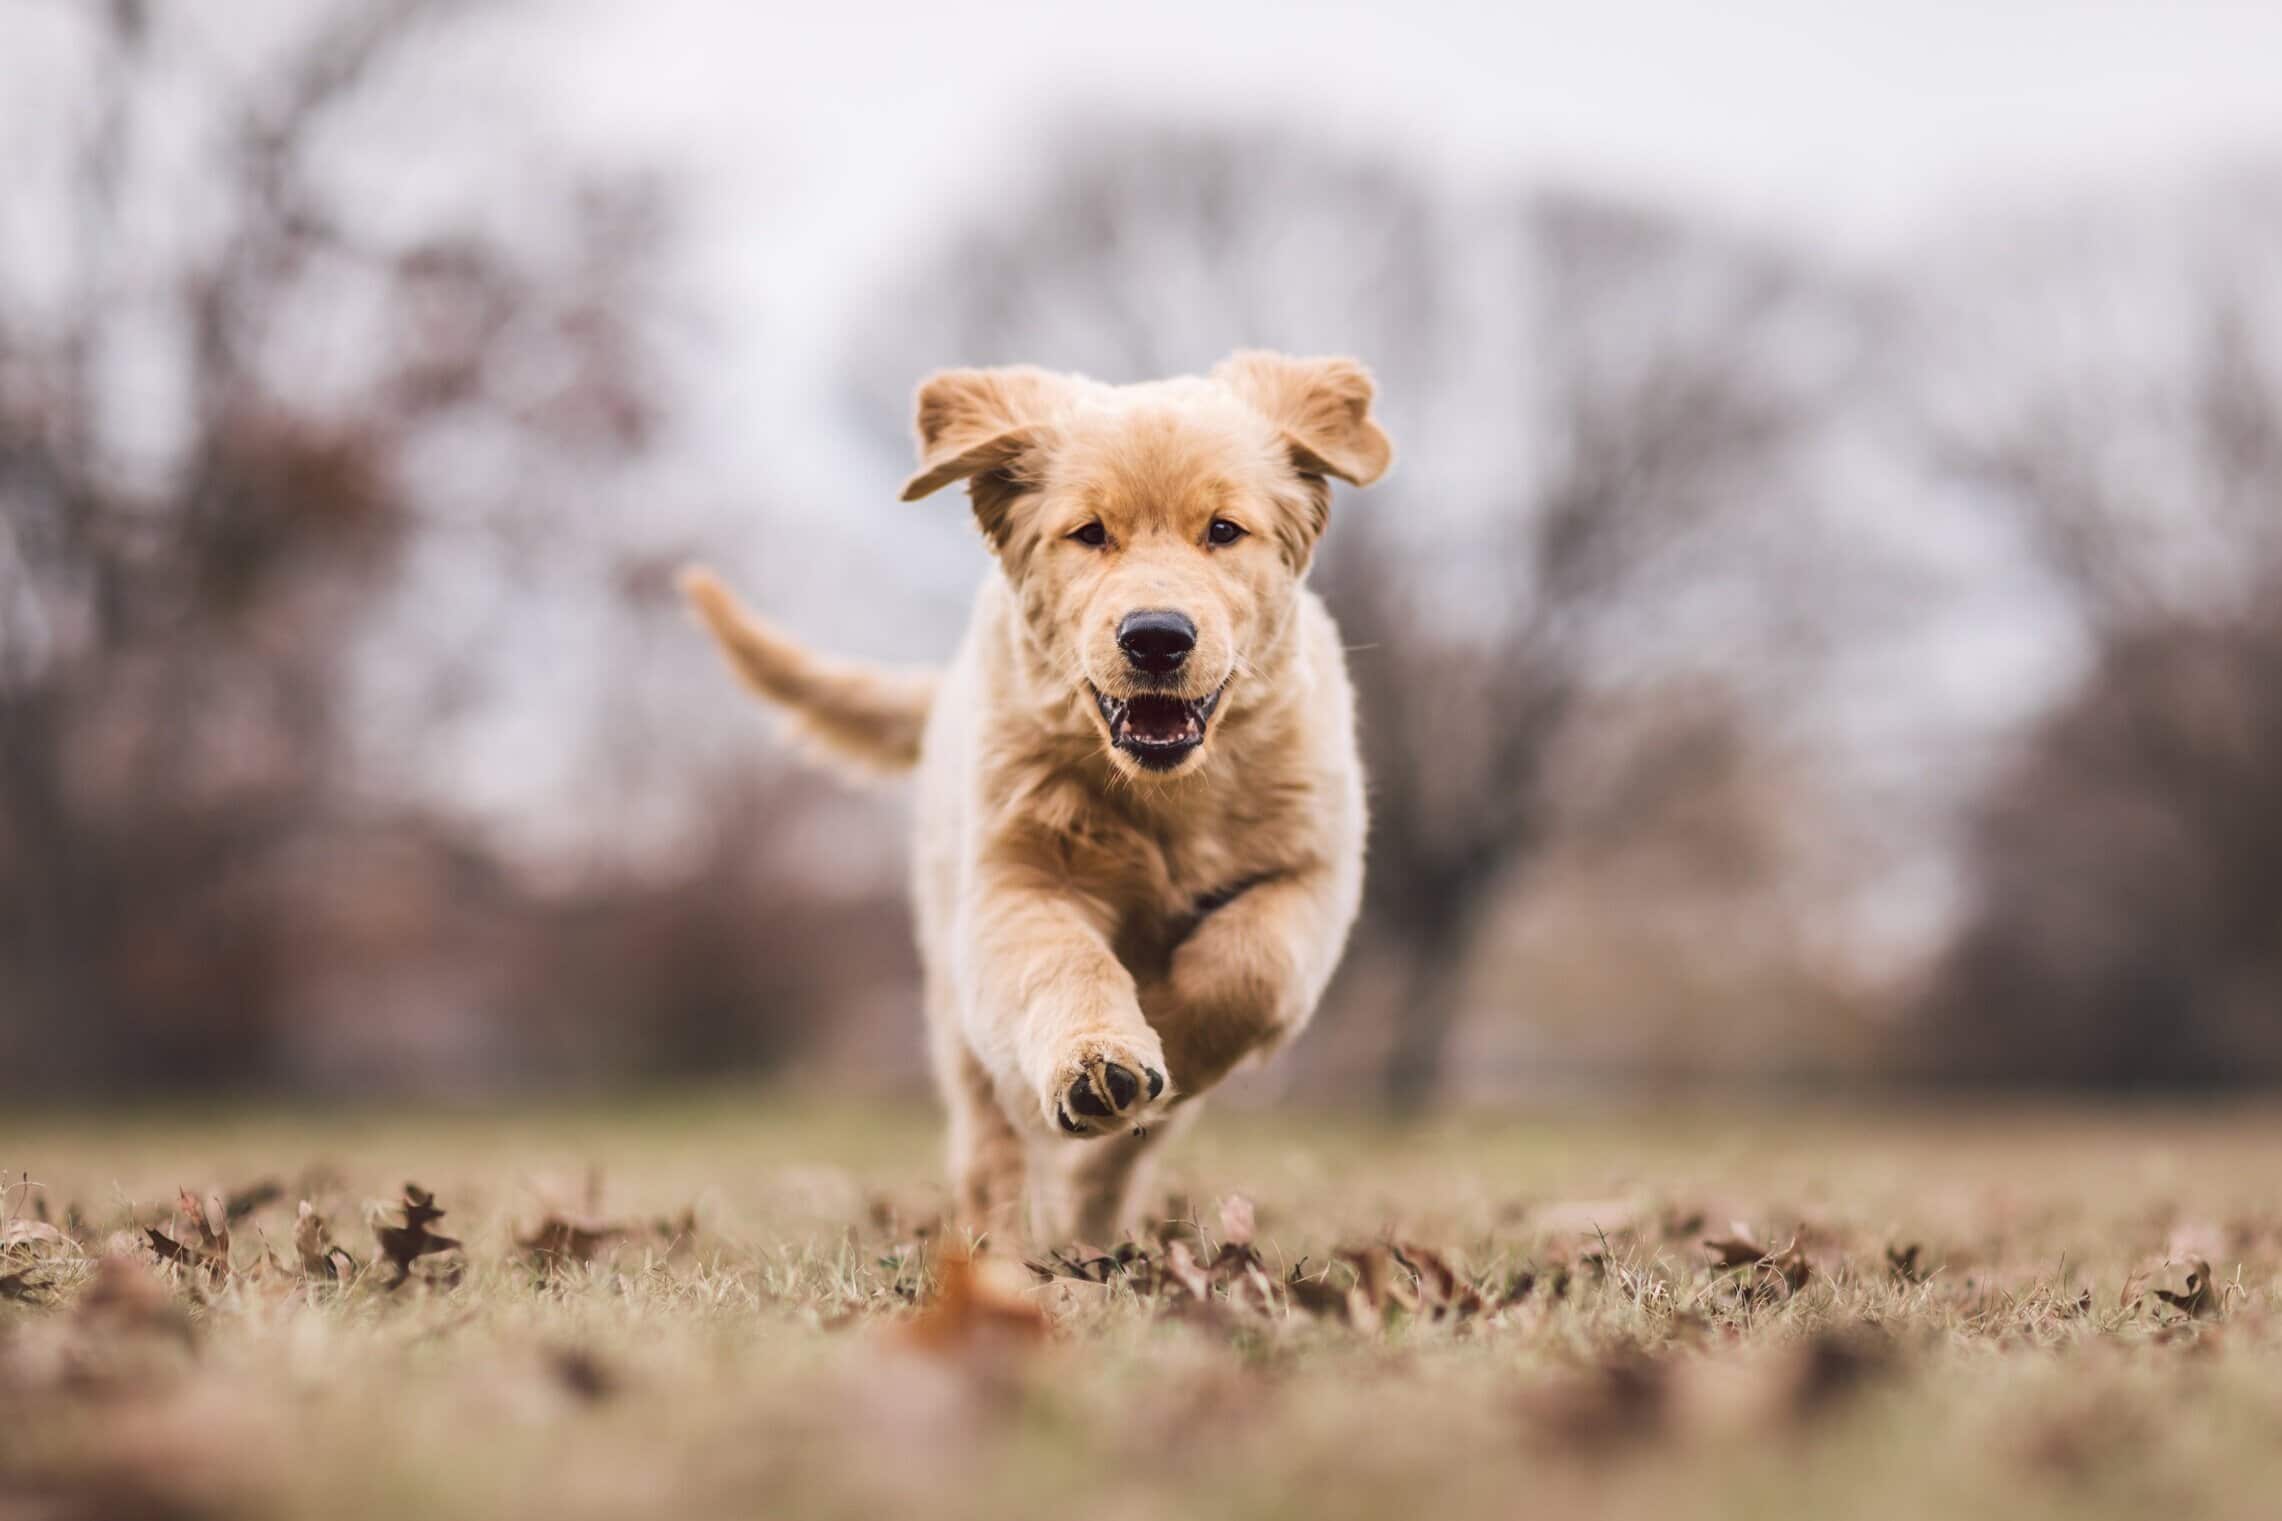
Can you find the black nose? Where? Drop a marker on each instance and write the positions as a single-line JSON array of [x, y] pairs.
[[1156, 641]]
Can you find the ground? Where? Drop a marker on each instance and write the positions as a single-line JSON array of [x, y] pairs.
[[739, 1304]]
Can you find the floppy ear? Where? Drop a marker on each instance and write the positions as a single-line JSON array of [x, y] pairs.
[[1322, 406], [976, 421]]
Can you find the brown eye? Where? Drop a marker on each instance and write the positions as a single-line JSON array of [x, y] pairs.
[[1223, 532], [1093, 535]]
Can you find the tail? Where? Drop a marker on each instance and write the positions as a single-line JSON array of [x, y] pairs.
[[862, 713]]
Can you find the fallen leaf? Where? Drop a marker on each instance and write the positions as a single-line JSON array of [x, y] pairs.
[[1183, 1271], [1601, 1408], [1768, 1272], [1678, 1224], [558, 1240], [1835, 1363], [1736, 1251], [406, 1244], [27, 1232], [582, 1373], [1319, 1296], [2187, 1287], [1902, 1262], [1383, 1286], [169, 1249], [250, 1198], [2087, 1433], [1554, 1280], [209, 1222], [1130, 1261], [313, 1241], [1253, 1292], [19, 1285], [201, 1239], [1442, 1289], [974, 1309]]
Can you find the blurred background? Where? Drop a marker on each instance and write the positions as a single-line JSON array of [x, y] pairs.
[[1824, 628]]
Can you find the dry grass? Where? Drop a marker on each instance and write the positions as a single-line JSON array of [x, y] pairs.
[[2042, 1353]]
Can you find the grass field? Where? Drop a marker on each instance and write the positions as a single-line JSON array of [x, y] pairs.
[[732, 1305]]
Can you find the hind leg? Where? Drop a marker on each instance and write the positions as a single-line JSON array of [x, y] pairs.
[[1087, 1191], [986, 1155]]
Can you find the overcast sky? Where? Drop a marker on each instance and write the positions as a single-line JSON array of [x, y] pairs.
[[1851, 119], [820, 143]]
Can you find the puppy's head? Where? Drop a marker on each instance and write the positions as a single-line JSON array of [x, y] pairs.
[[1155, 535]]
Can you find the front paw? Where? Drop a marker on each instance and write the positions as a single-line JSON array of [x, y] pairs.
[[1106, 1086]]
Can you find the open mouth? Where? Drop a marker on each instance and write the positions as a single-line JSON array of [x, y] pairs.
[[1158, 732]]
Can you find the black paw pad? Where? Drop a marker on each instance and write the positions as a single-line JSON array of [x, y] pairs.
[[1084, 1100], [1156, 1081], [1117, 1091]]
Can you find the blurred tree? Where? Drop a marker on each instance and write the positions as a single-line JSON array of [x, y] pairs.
[[219, 418], [1676, 378], [1593, 409], [2113, 392]]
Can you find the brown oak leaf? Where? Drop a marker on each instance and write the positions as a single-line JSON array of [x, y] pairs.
[[1443, 1291], [2187, 1287], [406, 1244], [201, 1240], [560, 1239]]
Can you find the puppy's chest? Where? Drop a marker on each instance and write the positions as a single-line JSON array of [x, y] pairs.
[[1178, 879]]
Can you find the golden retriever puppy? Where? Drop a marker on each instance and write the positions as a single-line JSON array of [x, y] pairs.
[[1140, 809]]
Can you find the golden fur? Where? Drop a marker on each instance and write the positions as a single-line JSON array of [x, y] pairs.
[[1091, 926]]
